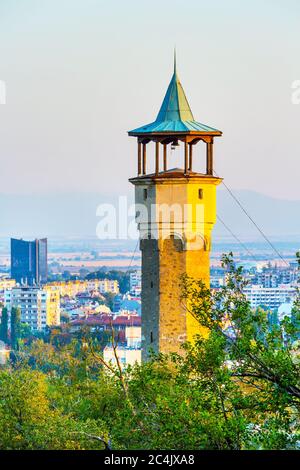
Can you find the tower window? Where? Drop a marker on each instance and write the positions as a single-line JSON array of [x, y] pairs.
[[151, 337], [151, 284], [200, 193], [145, 194]]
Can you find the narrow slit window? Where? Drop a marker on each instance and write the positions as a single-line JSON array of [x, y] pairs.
[[145, 194], [200, 193]]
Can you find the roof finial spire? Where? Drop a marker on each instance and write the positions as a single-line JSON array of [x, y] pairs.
[[175, 68]]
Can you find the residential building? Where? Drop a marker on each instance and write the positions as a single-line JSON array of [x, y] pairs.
[[133, 336], [136, 282], [127, 303], [117, 303], [275, 277], [39, 307], [269, 297], [6, 284], [69, 288], [108, 285], [105, 321], [128, 353], [73, 288], [52, 305]]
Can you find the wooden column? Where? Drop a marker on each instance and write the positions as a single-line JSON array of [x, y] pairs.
[[165, 157], [186, 157], [144, 159], [156, 158], [191, 157], [209, 158], [139, 158]]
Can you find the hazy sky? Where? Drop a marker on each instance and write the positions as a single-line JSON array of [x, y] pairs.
[[80, 73]]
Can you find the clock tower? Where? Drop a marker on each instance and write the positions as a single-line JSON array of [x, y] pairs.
[[175, 213]]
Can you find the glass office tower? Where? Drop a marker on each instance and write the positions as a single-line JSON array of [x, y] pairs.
[[29, 261]]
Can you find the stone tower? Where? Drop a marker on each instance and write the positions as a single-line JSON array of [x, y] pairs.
[[175, 213]]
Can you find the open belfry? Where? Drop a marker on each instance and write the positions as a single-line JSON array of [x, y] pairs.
[[175, 213]]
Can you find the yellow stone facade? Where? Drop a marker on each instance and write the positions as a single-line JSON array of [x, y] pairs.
[[179, 213], [7, 284], [52, 305], [73, 288]]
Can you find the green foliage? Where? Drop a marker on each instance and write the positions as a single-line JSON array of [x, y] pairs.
[[236, 387], [28, 419], [15, 322], [4, 325], [24, 331], [262, 359], [109, 299]]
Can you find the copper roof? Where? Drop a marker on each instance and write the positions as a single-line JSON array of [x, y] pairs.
[[175, 114]]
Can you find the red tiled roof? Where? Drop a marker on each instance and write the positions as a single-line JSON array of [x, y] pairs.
[[132, 320], [107, 320]]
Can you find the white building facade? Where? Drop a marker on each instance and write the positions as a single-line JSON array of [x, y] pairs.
[[108, 285], [270, 297], [129, 354], [36, 305], [136, 282]]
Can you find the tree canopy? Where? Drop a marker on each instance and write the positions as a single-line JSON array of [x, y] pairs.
[[236, 387]]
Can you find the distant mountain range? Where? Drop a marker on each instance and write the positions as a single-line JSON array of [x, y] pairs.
[[74, 215], [277, 218]]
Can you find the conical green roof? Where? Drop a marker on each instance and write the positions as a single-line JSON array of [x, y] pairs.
[[175, 115], [175, 106]]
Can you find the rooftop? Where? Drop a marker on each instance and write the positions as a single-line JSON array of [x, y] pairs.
[[175, 114], [104, 319]]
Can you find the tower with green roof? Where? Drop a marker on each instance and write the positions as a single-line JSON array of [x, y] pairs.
[[175, 213]]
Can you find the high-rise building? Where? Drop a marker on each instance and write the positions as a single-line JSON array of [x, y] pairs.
[[29, 261], [269, 297], [39, 306], [176, 212]]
